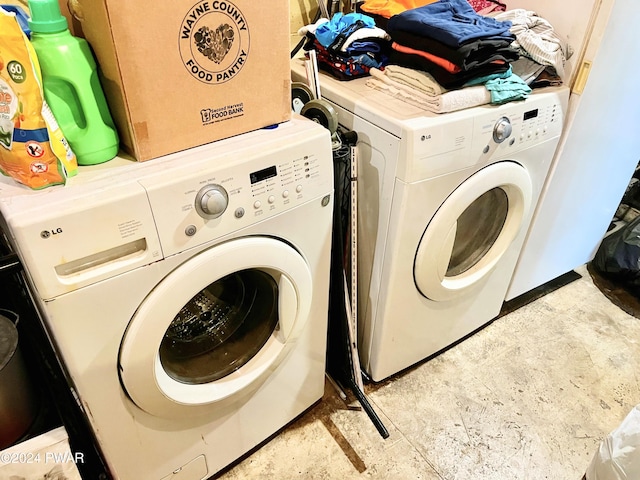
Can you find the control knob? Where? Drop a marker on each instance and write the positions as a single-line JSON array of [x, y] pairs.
[[211, 201], [501, 130]]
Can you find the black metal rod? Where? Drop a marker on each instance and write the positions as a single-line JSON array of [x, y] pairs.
[[10, 263], [373, 416]]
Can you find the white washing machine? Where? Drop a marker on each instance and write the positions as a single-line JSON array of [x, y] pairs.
[[445, 203], [187, 296]]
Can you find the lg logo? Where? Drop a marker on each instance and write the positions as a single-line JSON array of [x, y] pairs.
[[48, 233]]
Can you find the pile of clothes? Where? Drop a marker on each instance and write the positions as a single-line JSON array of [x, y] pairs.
[[542, 52], [441, 55], [452, 42], [347, 46], [421, 90]]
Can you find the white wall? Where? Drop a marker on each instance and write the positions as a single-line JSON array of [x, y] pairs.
[[302, 13]]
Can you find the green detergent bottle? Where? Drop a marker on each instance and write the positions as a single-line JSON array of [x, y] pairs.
[[71, 85]]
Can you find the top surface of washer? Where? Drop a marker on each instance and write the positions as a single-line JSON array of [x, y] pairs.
[[15, 198], [396, 116]]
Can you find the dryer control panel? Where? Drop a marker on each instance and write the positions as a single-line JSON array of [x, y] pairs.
[[532, 122], [465, 138]]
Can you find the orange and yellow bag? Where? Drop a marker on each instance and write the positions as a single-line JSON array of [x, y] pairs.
[[33, 150]]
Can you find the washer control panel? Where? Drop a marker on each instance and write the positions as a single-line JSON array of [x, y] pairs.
[[216, 196]]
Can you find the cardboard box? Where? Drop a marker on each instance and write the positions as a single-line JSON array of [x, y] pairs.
[[184, 73]]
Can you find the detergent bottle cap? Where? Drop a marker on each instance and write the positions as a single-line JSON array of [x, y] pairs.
[[46, 17]]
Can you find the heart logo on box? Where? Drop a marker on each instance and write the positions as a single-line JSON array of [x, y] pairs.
[[214, 44], [214, 41]]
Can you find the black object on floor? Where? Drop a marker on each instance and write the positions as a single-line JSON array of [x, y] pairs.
[[538, 292], [619, 294]]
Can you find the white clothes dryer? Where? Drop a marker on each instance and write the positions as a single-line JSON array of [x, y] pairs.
[[445, 203], [186, 296]]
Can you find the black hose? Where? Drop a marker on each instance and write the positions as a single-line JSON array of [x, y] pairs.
[[10, 263]]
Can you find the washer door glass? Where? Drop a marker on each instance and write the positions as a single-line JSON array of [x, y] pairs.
[[474, 238], [221, 328], [218, 324], [472, 230]]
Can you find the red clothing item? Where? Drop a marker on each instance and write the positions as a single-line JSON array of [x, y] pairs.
[[487, 6], [442, 62]]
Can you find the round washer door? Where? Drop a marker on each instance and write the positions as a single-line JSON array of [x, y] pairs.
[[217, 325], [472, 230]]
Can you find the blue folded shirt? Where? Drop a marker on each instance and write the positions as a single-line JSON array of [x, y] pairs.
[[452, 22], [340, 24]]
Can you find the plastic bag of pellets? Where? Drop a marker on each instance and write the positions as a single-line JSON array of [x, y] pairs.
[[618, 457], [618, 257]]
